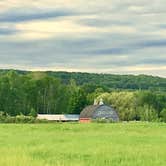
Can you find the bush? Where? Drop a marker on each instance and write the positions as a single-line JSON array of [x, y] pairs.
[[24, 119], [163, 115], [99, 120], [33, 113], [4, 118], [10, 119], [148, 114]]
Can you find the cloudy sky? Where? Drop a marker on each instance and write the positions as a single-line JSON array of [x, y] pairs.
[[111, 36]]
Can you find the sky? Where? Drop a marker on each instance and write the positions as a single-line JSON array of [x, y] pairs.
[[111, 36]]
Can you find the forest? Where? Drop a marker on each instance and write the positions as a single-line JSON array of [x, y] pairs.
[[133, 97]]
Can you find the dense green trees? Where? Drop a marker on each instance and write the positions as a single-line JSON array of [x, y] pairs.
[[163, 115], [39, 93], [12, 94], [137, 105], [29, 93], [107, 81], [21, 94], [110, 81], [77, 98]]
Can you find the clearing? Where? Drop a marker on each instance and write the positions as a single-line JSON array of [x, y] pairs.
[[73, 144]]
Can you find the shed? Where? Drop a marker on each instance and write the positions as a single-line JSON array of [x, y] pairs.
[[59, 117]]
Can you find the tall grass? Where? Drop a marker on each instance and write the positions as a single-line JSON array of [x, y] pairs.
[[65, 144]]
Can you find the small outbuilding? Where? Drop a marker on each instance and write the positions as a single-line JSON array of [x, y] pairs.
[[98, 111], [59, 117]]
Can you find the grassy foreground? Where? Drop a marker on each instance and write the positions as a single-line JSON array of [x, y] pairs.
[[122, 144]]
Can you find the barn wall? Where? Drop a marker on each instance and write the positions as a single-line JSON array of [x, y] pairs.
[[85, 120]]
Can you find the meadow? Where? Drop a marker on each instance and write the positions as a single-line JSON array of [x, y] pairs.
[[73, 144]]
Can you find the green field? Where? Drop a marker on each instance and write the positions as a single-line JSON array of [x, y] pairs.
[[65, 144]]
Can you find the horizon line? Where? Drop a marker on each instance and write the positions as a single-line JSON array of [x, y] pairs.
[[78, 71]]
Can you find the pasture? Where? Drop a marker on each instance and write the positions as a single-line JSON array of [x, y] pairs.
[[73, 144]]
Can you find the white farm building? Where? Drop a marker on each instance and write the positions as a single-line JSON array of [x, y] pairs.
[[59, 117]]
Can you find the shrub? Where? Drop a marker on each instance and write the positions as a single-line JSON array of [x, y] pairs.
[[148, 114], [9, 119], [24, 119], [100, 120], [33, 113], [4, 118], [163, 115]]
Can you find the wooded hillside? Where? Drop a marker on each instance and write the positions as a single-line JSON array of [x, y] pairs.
[[133, 97]]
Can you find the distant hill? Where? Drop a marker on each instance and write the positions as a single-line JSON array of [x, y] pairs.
[[114, 81], [109, 81]]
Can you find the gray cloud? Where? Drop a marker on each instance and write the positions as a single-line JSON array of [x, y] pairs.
[[152, 43], [98, 22], [8, 31], [19, 15], [124, 37], [61, 51]]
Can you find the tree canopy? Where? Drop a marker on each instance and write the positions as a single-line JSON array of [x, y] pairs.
[[134, 97]]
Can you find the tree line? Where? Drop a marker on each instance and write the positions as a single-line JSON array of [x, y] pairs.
[[39, 92], [29, 93], [107, 81]]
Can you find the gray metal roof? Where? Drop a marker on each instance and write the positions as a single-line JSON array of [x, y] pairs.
[[59, 117], [99, 112]]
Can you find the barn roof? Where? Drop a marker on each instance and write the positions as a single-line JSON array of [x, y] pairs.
[[88, 111], [99, 111]]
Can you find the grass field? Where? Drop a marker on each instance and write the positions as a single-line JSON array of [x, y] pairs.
[[121, 144]]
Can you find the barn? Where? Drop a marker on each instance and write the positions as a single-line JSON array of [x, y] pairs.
[[89, 113], [98, 111]]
